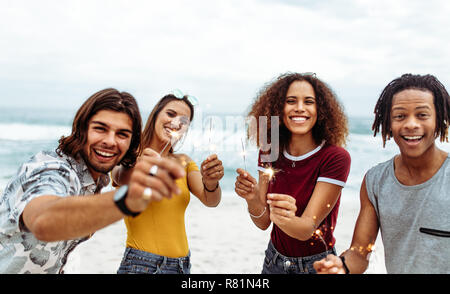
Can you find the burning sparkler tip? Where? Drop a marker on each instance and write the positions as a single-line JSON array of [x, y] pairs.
[[269, 172]]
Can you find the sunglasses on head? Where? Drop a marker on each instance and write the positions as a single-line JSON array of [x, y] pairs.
[[180, 95]]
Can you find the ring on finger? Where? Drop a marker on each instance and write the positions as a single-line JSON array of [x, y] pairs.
[[147, 194], [153, 170]]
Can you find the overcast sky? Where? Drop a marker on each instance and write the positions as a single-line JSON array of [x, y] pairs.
[[58, 53]]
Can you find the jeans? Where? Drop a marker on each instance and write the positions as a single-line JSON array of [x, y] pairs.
[[141, 262], [276, 263]]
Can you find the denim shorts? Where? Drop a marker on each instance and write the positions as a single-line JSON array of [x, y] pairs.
[[276, 263], [136, 261]]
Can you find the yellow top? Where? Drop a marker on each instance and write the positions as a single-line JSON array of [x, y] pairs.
[[160, 228]]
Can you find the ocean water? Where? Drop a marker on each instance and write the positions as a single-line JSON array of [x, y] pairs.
[[24, 132]]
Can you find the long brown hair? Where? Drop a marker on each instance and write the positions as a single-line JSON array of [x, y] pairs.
[[149, 129], [331, 125], [109, 99]]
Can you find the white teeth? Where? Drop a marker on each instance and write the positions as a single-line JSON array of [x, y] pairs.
[[105, 154], [298, 118], [412, 137]]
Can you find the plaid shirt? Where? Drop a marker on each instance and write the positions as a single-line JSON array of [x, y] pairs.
[[46, 173]]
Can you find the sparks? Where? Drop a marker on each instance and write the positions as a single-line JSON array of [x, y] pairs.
[[174, 136], [319, 234], [269, 172], [178, 127]]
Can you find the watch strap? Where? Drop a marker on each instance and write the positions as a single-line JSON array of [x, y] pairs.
[[345, 265], [120, 203]]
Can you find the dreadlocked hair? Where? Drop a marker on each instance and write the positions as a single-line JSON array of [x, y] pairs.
[[428, 83]]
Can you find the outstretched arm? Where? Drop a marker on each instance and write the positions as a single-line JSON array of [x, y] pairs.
[[364, 236], [52, 218]]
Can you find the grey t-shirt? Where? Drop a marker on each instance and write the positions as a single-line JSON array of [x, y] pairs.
[[414, 220]]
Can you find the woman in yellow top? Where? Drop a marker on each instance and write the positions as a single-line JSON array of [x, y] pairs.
[[156, 238]]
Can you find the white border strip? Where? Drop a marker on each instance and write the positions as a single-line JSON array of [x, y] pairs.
[[304, 156], [261, 169], [331, 181]]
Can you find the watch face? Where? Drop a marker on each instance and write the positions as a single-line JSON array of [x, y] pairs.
[[120, 193]]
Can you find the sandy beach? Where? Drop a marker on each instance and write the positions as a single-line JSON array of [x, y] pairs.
[[222, 240]]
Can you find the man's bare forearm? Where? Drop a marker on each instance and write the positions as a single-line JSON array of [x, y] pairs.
[[53, 218]]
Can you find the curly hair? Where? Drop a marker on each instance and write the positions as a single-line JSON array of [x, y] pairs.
[[427, 82], [109, 99], [331, 125]]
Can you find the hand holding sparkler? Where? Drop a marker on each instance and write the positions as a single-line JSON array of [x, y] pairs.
[[144, 187], [212, 172], [332, 264], [121, 175], [282, 208], [245, 185]]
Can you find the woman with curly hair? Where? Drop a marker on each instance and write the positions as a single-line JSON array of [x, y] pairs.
[[311, 168]]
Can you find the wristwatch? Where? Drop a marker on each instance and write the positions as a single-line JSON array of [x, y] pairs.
[[119, 200]]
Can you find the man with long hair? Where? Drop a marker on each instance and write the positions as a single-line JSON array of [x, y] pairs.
[[42, 216]]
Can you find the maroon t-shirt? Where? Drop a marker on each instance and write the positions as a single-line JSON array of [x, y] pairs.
[[297, 176]]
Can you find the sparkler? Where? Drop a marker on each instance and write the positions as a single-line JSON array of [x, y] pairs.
[[318, 233], [174, 135], [243, 153], [270, 172], [210, 130], [211, 146]]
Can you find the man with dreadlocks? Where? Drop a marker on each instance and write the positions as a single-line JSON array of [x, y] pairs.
[[406, 197]]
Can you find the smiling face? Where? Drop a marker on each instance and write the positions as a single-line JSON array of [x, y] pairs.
[[108, 139], [413, 121], [171, 123], [300, 110]]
